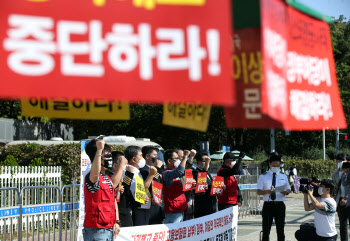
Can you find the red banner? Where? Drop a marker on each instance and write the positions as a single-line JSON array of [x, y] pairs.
[[157, 192], [148, 51], [217, 186], [201, 182], [300, 88], [188, 180], [247, 64]]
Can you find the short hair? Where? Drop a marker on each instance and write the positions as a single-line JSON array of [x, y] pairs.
[[275, 157], [328, 183], [168, 154], [148, 150], [177, 150], [131, 151], [116, 155], [91, 149], [200, 156], [341, 157]]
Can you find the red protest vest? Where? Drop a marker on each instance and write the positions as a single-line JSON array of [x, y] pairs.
[[174, 198], [100, 206], [230, 195]]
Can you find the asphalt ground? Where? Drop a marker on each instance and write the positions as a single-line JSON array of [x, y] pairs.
[[249, 227]]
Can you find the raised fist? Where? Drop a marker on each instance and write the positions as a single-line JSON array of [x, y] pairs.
[[241, 154], [129, 168], [100, 145], [186, 152], [152, 170], [123, 161], [193, 153], [207, 159]]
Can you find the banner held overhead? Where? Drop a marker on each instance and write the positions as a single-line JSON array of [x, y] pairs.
[[117, 50]]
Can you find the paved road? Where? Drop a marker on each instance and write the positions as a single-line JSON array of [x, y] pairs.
[[250, 227]]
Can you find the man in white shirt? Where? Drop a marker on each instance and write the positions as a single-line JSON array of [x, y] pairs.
[[325, 208], [274, 186]]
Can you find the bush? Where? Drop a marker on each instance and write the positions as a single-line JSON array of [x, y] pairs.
[[313, 168], [65, 155], [259, 155], [314, 154]]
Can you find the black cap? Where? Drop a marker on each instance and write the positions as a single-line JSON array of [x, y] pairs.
[[229, 155], [275, 157]]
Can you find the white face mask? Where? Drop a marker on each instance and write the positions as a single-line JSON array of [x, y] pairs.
[[339, 165], [141, 163], [177, 163], [320, 190], [275, 169], [233, 163]]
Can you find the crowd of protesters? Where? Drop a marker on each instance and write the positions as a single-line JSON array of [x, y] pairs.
[[124, 197]]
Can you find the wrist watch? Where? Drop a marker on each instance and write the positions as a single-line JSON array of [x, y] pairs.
[[118, 222]]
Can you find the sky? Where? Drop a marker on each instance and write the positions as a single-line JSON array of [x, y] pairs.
[[332, 8]]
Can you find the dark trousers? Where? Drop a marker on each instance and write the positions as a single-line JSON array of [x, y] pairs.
[[156, 215], [224, 206], [310, 235], [140, 216], [125, 217], [344, 221], [270, 211]]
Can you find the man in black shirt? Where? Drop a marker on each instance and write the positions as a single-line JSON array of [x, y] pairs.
[[150, 153], [204, 204]]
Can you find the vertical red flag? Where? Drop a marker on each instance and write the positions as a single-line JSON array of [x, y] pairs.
[[217, 186], [201, 182], [300, 87], [247, 63], [157, 192], [188, 180]]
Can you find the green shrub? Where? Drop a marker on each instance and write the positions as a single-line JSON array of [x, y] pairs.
[[259, 155], [10, 161], [37, 162], [313, 168], [313, 154]]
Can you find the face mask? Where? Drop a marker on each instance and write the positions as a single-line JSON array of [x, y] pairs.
[[141, 163], [320, 190], [339, 165], [108, 161], [275, 169], [233, 163], [177, 163], [154, 159]]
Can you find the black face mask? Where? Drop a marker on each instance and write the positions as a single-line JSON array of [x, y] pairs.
[[108, 161], [154, 159]]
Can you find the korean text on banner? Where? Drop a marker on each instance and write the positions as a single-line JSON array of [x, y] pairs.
[[201, 182], [218, 226], [190, 116], [247, 64], [188, 180], [157, 192], [76, 109], [301, 88], [217, 186], [140, 194], [99, 49]]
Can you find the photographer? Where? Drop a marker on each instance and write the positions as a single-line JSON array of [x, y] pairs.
[[325, 207]]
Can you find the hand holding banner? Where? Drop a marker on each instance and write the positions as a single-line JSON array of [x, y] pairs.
[[217, 186], [201, 182], [188, 180], [157, 192]]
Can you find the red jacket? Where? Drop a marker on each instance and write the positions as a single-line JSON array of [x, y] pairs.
[[100, 206], [174, 197], [230, 195]]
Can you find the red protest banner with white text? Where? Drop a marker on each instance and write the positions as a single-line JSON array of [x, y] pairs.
[[157, 192], [247, 65], [217, 186], [117, 50], [201, 182], [188, 180], [301, 88]]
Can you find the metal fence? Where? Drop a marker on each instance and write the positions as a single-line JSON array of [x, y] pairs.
[[251, 200], [39, 213]]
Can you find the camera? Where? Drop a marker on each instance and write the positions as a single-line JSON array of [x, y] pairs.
[[310, 184]]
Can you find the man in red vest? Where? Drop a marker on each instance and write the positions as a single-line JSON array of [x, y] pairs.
[[231, 195], [101, 210], [175, 203]]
